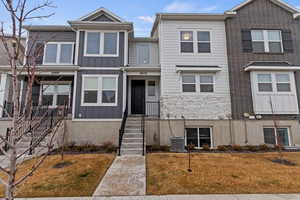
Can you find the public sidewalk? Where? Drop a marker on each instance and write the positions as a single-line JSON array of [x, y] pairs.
[[185, 197]]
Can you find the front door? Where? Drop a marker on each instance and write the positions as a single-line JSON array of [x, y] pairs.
[[138, 97]]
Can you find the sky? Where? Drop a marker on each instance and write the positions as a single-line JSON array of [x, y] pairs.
[[140, 12]]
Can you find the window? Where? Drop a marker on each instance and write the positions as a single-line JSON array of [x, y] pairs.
[[203, 38], [206, 83], [58, 53], [109, 87], [110, 43], [198, 137], [269, 41], [186, 42], [93, 43], [188, 83], [275, 81], [101, 43], [55, 95], [279, 136], [151, 89], [283, 83], [264, 82], [99, 90], [143, 53]]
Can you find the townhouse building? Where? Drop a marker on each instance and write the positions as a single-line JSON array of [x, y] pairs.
[[211, 79]]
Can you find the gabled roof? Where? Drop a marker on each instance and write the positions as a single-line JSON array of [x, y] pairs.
[[280, 3], [100, 12]]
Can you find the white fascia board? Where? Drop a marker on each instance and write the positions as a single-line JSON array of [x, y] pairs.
[[268, 68]]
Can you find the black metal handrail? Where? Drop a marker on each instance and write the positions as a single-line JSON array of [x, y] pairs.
[[122, 129], [143, 132]]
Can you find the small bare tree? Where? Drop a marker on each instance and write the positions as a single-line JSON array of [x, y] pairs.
[[26, 119], [279, 145]]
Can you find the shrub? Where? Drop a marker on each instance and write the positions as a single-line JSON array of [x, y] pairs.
[[251, 148], [109, 147], [190, 147], [206, 147], [222, 148], [237, 147], [165, 148], [263, 147], [278, 147]]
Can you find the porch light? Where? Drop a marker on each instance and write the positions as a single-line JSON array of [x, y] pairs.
[[186, 36]]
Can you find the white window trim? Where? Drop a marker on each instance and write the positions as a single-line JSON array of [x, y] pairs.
[[267, 41], [101, 54], [195, 42], [211, 136], [99, 90], [197, 82], [54, 103], [274, 82], [275, 131], [58, 53]]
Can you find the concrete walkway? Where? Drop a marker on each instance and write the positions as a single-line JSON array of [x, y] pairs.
[[125, 177], [186, 197]]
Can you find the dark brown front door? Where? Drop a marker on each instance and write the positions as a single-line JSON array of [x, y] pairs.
[[138, 97]]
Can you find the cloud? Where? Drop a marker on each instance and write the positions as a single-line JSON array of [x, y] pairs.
[[148, 19], [298, 7], [180, 6]]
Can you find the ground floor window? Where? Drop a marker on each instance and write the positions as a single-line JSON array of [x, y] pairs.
[[279, 136], [56, 94], [198, 137]]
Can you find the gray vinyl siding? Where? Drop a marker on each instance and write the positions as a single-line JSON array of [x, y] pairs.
[[85, 61], [98, 112], [41, 37], [102, 18], [153, 54], [260, 14]]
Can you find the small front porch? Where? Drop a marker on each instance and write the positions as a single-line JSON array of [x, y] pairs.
[[143, 95]]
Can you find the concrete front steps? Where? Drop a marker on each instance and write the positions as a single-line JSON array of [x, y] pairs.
[[132, 143]]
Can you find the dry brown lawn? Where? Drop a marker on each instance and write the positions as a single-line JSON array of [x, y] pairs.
[[221, 174], [78, 179]]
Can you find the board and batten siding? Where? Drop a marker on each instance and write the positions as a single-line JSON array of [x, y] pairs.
[[197, 105], [37, 39], [153, 53], [260, 14], [89, 61]]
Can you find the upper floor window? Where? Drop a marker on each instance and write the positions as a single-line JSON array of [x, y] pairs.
[[101, 44], [277, 82], [59, 53], [205, 82], [203, 41], [269, 41], [186, 42], [99, 90], [143, 53], [195, 41]]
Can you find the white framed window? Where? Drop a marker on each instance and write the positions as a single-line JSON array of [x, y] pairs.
[[203, 42], [199, 137], [188, 83], [206, 83], [195, 41], [279, 136], [99, 90], [55, 94], [278, 82], [264, 82], [268, 41], [186, 42], [283, 82], [58, 53], [104, 43], [202, 83]]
